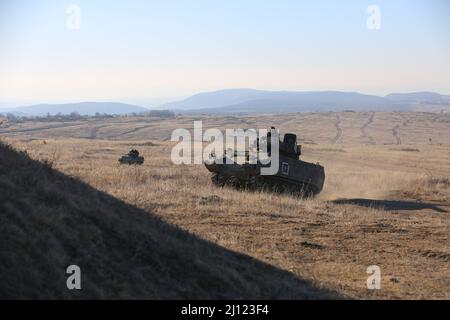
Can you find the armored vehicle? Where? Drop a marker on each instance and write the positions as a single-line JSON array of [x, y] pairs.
[[294, 175], [132, 157]]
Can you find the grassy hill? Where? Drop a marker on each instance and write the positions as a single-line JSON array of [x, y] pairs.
[[49, 220]]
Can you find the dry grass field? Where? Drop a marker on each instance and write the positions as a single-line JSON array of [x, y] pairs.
[[386, 199]]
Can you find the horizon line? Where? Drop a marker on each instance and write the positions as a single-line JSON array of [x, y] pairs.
[[177, 99]]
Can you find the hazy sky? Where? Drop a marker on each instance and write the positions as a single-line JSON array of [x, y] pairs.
[[144, 51]]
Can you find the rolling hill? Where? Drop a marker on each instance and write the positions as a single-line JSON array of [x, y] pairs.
[[419, 97], [235, 101], [250, 100]]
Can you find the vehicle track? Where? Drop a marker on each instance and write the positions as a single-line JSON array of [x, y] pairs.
[[396, 130], [364, 127], [396, 134], [337, 124], [41, 128], [405, 120], [94, 131], [133, 130]]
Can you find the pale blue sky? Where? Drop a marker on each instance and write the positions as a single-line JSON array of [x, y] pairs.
[[147, 51]]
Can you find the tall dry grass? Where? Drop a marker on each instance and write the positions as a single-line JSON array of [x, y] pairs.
[[322, 239]]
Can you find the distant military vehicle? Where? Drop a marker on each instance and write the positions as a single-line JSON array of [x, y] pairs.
[[132, 157], [294, 175]]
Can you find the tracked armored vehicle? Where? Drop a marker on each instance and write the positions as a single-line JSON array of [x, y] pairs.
[[294, 175], [132, 157]]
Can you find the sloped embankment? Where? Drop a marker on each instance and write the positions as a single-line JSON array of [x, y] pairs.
[[49, 221]]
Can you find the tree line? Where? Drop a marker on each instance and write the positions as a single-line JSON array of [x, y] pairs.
[[75, 116]]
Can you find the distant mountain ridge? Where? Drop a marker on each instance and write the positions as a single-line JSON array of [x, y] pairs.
[[238, 101], [419, 97], [231, 97], [254, 101], [82, 108]]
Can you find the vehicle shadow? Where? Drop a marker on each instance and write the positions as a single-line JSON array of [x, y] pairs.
[[49, 220], [390, 205]]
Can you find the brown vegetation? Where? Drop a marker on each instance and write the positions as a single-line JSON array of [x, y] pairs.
[[380, 205], [50, 221]]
